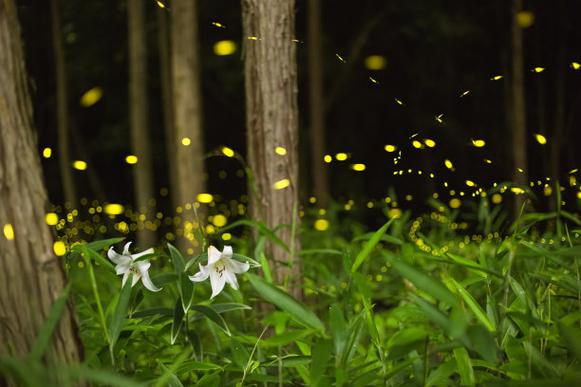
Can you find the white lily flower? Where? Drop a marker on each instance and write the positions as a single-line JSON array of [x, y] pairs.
[[221, 268], [126, 265]]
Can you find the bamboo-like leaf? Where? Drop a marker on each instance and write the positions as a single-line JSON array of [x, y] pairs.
[[178, 320], [120, 314], [423, 281], [43, 339], [177, 259], [373, 241], [474, 306], [284, 301], [213, 316], [464, 367]]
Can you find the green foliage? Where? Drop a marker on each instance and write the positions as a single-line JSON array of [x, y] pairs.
[[417, 302]]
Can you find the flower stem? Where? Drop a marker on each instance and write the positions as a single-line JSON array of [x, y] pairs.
[[99, 306]]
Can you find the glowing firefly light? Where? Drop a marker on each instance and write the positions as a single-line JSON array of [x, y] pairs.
[[390, 148], [327, 158], [465, 93], [538, 69], [439, 118], [227, 151], [219, 25], [416, 144], [375, 62], [47, 153], [429, 142], [358, 167], [478, 143], [131, 159], [59, 248], [321, 224], [79, 165], [186, 141], [399, 102], [160, 4], [517, 190], [470, 183], [341, 156], [540, 138], [575, 65], [51, 219], [281, 184], [224, 47], [449, 164], [8, 231], [113, 209], [91, 97], [340, 58], [374, 80], [496, 78], [204, 198], [279, 150]]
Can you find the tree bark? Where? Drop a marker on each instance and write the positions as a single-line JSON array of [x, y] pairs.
[[139, 122], [62, 102], [272, 121], [31, 277], [187, 104], [167, 106], [319, 175], [519, 135]]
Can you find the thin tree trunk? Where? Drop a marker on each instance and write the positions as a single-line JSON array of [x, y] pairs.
[[167, 106], [31, 277], [63, 124], [139, 122], [519, 135], [271, 121], [556, 140], [316, 106], [187, 104]]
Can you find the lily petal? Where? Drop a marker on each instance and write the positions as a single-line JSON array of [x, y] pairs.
[[218, 280], [122, 268], [126, 248], [231, 279], [125, 276], [237, 267], [200, 276], [146, 252], [136, 277], [145, 278], [214, 255], [116, 257], [227, 252]]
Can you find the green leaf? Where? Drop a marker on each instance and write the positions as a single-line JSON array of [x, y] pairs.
[[177, 259], [186, 289], [43, 339], [92, 254], [284, 301], [474, 306], [178, 320], [213, 316], [464, 367], [101, 245], [320, 357], [338, 329], [423, 281], [373, 241], [572, 338], [120, 314]]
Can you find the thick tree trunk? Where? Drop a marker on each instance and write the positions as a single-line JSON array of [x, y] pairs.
[[62, 102], [519, 135], [319, 175], [272, 121], [139, 122], [187, 104], [167, 106], [31, 277]]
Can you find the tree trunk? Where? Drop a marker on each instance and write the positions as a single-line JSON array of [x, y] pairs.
[[519, 136], [31, 277], [167, 106], [556, 140], [187, 104], [272, 121], [139, 122], [319, 175], [62, 102]]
